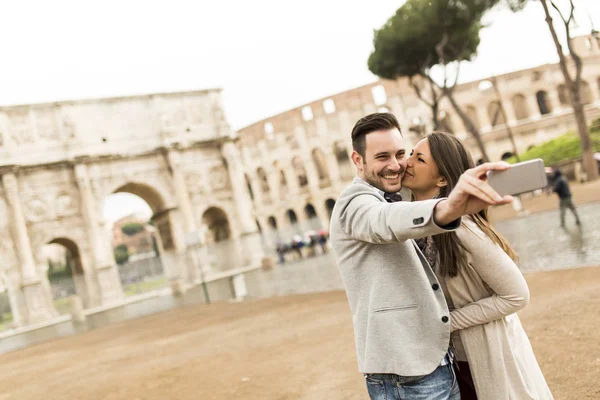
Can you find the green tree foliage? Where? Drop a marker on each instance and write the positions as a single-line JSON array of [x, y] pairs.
[[121, 254], [406, 45], [426, 33], [562, 148], [131, 228]]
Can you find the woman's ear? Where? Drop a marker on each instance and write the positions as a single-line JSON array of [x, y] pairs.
[[441, 182]]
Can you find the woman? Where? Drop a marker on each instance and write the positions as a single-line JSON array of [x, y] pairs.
[[483, 286]]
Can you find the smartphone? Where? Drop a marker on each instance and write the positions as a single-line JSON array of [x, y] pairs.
[[522, 177]]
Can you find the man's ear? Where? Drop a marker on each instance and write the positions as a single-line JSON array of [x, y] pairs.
[[357, 159], [441, 182]]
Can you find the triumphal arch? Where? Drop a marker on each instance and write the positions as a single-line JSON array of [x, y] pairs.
[[61, 160]]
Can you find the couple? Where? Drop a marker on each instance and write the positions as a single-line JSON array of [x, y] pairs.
[[432, 287]]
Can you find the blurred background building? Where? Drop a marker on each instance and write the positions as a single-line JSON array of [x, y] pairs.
[[234, 194]]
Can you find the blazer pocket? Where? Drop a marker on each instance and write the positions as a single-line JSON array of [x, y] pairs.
[[398, 308]]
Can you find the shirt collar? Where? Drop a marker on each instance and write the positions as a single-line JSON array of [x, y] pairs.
[[361, 180]]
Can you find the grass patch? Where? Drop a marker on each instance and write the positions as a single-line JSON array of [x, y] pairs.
[[145, 286], [7, 319]]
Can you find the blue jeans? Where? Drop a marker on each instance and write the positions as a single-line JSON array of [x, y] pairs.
[[439, 385]]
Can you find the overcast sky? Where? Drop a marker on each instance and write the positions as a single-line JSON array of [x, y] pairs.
[[268, 56]]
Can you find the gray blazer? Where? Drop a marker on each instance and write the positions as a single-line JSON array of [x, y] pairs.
[[401, 320]]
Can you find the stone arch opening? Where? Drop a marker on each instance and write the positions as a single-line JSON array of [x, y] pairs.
[[321, 165], [543, 102], [272, 221], [300, 171], [310, 211], [312, 221], [249, 186], [282, 181], [157, 211], [283, 185], [344, 163], [505, 156], [495, 114], [65, 273], [329, 204], [519, 104], [142, 235], [218, 225], [262, 179], [292, 218]]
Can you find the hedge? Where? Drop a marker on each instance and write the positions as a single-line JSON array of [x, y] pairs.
[[562, 148]]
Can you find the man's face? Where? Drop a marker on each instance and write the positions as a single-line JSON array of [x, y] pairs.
[[384, 162]]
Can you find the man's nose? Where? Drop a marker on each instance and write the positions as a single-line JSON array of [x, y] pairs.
[[394, 165]]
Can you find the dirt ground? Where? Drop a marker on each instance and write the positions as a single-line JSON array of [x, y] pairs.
[[294, 347]]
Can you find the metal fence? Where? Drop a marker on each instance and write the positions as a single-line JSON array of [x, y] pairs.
[[142, 275]]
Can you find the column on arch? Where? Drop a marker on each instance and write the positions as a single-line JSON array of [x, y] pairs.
[[109, 283], [39, 306]]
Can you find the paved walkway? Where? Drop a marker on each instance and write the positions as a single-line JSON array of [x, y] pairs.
[[582, 193]]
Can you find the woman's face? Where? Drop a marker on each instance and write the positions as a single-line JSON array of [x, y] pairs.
[[422, 175]]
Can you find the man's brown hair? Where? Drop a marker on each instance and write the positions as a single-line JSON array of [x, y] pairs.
[[371, 123]]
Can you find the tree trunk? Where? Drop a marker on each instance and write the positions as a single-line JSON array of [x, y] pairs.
[[468, 124], [589, 163], [435, 110], [435, 101], [574, 85]]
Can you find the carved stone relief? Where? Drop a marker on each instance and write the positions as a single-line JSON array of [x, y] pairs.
[[19, 127], [66, 205], [195, 183], [36, 210], [219, 179], [46, 124], [6, 248]]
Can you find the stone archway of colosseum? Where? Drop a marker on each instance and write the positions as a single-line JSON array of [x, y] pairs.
[[345, 165], [320, 162]]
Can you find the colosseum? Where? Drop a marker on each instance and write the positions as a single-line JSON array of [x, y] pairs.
[[297, 162]]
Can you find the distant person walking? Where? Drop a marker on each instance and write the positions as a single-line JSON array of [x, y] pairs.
[[561, 188]]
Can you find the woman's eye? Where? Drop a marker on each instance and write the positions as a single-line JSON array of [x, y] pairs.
[[421, 160]]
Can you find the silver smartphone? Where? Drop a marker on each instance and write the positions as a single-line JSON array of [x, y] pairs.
[[522, 177]]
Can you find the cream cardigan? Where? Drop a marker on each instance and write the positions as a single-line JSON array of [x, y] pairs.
[[487, 294]]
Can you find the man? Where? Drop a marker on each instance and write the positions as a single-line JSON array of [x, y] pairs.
[[561, 188], [401, 320]]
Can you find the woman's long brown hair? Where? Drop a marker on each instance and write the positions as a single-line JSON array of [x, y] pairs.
[[452, 159]]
